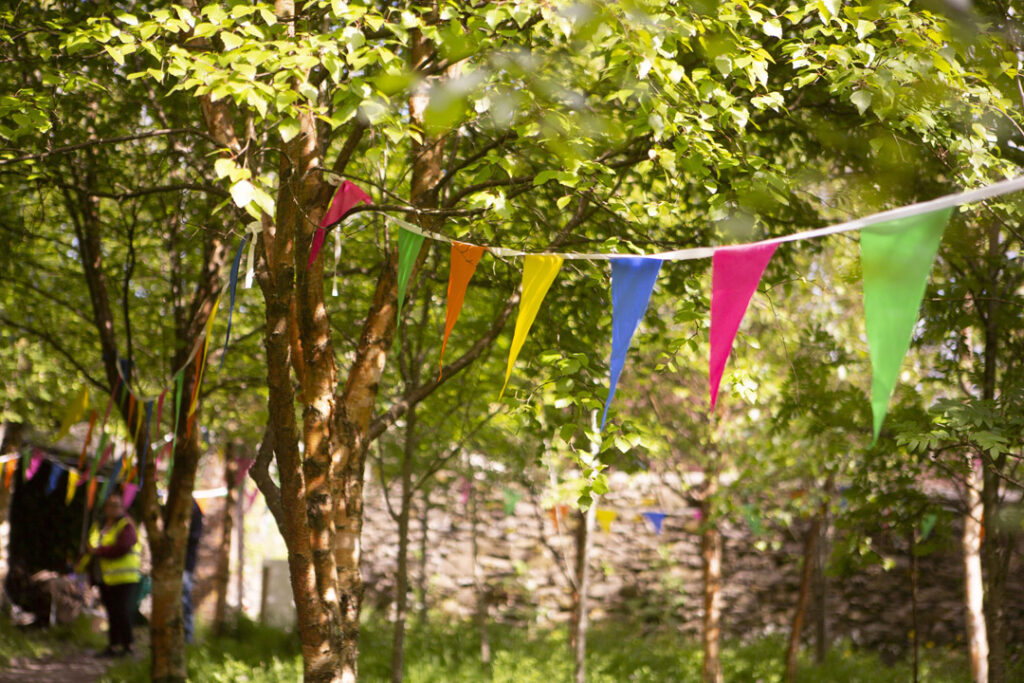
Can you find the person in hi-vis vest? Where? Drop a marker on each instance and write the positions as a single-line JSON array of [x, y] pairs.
[[116, 545]]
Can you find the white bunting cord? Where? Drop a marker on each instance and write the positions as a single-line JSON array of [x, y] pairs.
[[250, 260], [948, 201]]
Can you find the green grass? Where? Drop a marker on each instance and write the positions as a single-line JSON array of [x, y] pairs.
[[449, 652], [17, 643]]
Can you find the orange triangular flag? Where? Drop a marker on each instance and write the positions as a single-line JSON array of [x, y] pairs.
[[464, 260], [9, 468], [90, 496]]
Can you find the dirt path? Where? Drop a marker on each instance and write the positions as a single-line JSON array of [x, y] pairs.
[[79, 667], [73, 665]]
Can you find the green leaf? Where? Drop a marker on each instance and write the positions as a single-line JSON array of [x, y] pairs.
[[242, 193], [288, 129], [772, 28], [862, 100]]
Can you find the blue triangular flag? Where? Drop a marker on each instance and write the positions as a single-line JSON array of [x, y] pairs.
[[633, 281], [51, 483], [232, 285], [656, 519]]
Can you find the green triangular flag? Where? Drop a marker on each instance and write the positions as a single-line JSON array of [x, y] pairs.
[[896, 257], [409, 244]]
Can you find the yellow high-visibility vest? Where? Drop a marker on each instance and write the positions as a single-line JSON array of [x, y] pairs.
[[117, 570]]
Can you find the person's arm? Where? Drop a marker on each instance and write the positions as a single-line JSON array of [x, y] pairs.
[[121, 545]]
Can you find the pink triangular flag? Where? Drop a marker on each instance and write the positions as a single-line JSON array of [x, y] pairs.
[[33, 466], [130, 491], [735, 273], [347, 196]]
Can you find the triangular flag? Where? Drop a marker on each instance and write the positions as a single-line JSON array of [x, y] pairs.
[[232, 286], [114, 475], [130, 491], [896, 257], [88, 440], [409, 244], [656, 519], [735, 272], [33, 467], [9, 468], [243, 468], [463, 265], [633, 281], [75, 412], [347, 196], [605, 519], [51, 483], [90, 494], [539, 271], [69, 493], [145, 443], [202, 358], [511, 498], [179, 389]]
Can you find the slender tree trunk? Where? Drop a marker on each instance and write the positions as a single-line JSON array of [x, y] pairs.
[[711, 560], [240, 546], [821, 644], [167, 550], [223, 576], [479, 588], [402, 579], [806, 574], [579, 620], [977, 638], [995, 558], [421, 577], [914, 626], [10, 441], [994, 547]]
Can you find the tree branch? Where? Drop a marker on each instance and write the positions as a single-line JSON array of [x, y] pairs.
[[104, 141], [260, 473]]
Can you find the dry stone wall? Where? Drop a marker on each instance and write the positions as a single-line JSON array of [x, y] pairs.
[[655, 580]]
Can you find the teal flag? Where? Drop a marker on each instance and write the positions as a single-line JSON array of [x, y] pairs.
[[409, 244], [896, 258]]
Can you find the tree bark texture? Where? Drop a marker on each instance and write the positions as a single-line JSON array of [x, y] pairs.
[[579, 618], [421, 575], [10, 441], [711, 562], [806, 573], [482, 612], [402, 577], [977, 639], [167, 525], [222, 577]]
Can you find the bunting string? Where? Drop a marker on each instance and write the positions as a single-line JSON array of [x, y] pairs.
[[693, 253]]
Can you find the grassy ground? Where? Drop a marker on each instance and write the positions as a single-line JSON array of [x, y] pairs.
[[17, 643], [451, 653]]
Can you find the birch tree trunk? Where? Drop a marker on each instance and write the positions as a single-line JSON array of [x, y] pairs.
[[711, 560], [579, 620], [977, 639], [223, 575]]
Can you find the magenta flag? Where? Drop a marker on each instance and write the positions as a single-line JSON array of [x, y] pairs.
[[33, 466], [130, 491], [347, 196], [735, 273]]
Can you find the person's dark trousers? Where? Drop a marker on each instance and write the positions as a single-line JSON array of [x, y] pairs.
[[119, 601]]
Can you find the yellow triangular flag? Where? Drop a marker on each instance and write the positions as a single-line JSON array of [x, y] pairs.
[[539, 271], [605, 519], [72, 485], [75, 412], [202, 363]]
